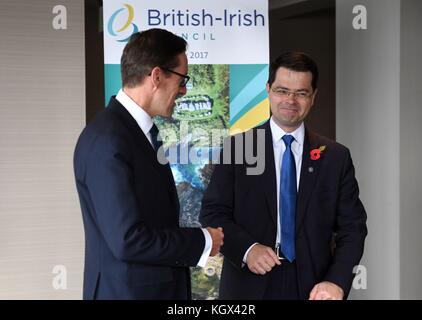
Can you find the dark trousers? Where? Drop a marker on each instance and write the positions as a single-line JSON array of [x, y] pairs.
[[282, 283]]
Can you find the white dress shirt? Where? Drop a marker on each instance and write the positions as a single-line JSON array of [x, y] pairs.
[[279, 148], [145, 122]]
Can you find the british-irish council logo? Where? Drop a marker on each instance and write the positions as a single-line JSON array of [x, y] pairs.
[[128, 23]]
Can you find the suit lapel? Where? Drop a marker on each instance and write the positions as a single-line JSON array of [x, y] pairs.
[[269, 175], [173, 192], [134, 128], [145, 145], [308, 176]]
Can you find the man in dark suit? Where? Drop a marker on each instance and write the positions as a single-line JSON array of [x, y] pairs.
[[297, 230], [134, 248]]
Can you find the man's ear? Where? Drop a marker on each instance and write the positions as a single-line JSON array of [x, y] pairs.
[[156, 73], [268, 87], [313, 96]]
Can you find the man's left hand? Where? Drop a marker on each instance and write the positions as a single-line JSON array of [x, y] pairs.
[[326, 291]]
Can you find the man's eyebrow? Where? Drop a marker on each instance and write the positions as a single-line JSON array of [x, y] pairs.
[[299, 90]]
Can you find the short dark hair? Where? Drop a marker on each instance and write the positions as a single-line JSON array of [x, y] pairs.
[[295, 61], [147, 50]]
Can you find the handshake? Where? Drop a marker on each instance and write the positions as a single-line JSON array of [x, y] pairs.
[[217, 237]]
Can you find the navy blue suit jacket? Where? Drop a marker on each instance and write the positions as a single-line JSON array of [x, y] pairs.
[[328, 210], [134, 248]]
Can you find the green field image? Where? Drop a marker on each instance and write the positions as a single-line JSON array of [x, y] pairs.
[[205, 105], [204, 108], [206, 281]]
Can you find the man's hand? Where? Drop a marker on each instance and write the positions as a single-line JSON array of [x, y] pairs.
[[326, 291], [217, 237], [261, 259]]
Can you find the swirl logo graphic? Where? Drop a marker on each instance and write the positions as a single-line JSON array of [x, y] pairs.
[[127, 24]]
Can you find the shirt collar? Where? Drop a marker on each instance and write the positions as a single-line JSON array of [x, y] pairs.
[[278, 133], [142, 118]]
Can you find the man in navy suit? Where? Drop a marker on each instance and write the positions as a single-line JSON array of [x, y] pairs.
[[134, 248], [297, 230]]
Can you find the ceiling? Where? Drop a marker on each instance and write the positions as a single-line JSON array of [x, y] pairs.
[[284, 9]]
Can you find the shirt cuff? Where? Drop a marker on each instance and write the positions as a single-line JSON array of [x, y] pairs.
[[246, 254], [207, 250]]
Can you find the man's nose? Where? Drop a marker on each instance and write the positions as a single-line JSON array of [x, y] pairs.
[[290, 98], [182, 91]]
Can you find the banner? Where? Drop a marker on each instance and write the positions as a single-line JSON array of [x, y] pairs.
[[228, 55]]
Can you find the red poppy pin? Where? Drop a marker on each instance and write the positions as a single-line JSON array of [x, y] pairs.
[[316, 153]]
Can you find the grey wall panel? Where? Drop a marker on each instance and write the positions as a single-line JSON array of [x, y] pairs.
[[411, 150], [368, 122], [42, 111]]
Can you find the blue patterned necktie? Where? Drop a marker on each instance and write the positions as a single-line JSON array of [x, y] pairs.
[[288, 194]]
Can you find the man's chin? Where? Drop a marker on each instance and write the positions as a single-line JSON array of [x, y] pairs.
[[168, 115], [290, 124]]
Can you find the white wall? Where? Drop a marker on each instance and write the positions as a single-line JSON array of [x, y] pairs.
[[42, 111]]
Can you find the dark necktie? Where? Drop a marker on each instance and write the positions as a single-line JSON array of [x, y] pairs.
[[288, 194], [157, 143]]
